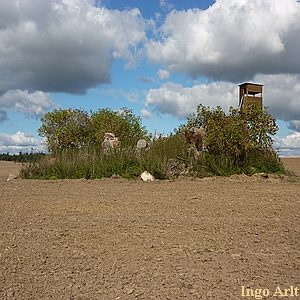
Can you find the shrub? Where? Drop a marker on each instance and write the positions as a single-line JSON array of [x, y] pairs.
[[234, 143], [75, 128]]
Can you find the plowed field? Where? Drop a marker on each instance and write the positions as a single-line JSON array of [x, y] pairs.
[[213, 238]]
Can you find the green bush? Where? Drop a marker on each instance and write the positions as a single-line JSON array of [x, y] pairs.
[[234, 143], [75, 128], [91, 162]]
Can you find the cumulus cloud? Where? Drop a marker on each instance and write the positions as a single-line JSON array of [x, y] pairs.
[[289, 145], [132, 97], [19, 141], [64, 46], [231, 40], [280, 94], [145, 113], [32, 105], [163, 74], [145, 79], [176, 100], [294, 125]]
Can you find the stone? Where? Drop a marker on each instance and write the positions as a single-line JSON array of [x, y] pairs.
[[141, 144], [195, 136], [106, 145], [147, 177], [109, 136], [176, 167], [11, 177], [110, 142]]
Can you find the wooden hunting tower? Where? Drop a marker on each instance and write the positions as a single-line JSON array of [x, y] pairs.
[[250, 95]]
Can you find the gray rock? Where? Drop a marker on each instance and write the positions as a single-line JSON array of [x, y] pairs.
[[11, 177], [110, 142], [109, 136], [107, 144], [142, 144]]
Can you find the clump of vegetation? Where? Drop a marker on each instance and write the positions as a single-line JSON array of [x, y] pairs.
[[91, 162], [234, 143], [239, 142], [65, 129]]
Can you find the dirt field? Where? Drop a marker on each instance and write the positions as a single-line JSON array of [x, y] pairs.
[[208, 238]]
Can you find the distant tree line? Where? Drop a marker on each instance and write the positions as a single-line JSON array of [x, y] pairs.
[[22, 157]]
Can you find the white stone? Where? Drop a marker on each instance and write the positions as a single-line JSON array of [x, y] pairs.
[[11, 177], [147, 177]]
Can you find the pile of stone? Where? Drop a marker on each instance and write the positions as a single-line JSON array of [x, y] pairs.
[[195, 137], [110, 142]]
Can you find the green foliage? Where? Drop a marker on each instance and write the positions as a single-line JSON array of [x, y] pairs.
[[164, 153], [65, 128], [76, 128], [234, 143], [22, 157], [90, 162], [123, 123], [235, 134]]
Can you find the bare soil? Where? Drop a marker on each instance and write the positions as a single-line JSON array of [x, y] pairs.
[[127, 239]]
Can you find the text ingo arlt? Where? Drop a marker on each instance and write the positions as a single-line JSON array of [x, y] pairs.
[[278, 292]]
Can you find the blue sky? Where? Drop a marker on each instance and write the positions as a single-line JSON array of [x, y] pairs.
[[158, 58]]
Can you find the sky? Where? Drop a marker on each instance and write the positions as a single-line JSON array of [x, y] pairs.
[[160, 58]]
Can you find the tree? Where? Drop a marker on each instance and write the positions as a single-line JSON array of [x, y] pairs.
[[65, 128], [234, 134], [123, 123], [76, 128]]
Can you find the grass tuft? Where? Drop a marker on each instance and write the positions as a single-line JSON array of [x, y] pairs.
[[166, 158]]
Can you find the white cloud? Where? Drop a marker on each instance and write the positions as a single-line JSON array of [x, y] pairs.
[[64, 46], [132, 97], [294, 125], [145, 79], [231, 40], [146, 114], [280, 94], [20, 141], [176, 100], [166, 5], [163, 74], [290, 145], [32, 105]]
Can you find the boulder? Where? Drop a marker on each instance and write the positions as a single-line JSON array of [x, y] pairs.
[[109, 136], [107, 145], [11, 177], [142, 144], [110, 142], [147, 177], [176, 167], [195, 136]]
